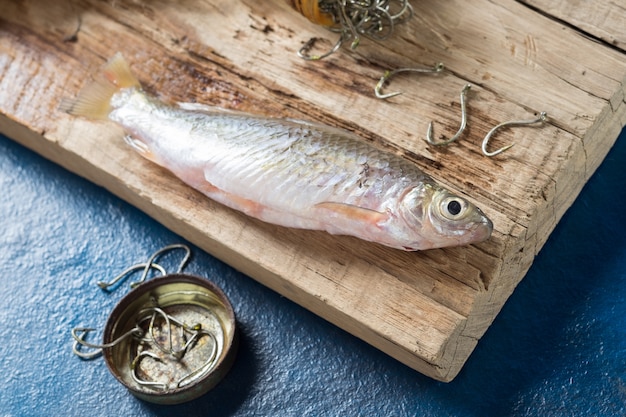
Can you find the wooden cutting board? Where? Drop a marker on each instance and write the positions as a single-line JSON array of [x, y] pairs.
[[426, 309]]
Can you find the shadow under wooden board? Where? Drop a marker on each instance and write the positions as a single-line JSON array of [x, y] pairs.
[[427, 309]]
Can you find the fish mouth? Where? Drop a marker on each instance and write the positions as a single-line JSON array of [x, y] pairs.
[[482, 231], [479, 232]]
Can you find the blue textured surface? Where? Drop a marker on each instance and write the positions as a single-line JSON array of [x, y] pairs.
[[558, 347]]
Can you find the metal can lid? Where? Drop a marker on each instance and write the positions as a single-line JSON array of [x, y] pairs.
[[184, 339]]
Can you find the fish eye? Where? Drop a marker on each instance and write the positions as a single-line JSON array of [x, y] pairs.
[[453, 208]]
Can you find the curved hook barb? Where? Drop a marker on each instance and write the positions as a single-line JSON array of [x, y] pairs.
[[543, 116], [303, 52], [429, 133], [134, 366], [209, 363], [439, 67]]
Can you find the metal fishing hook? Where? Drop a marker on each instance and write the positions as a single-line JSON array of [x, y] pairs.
[[348, 27], [150, 314], [303, 52], [211, 359], [399, 17], [106, 285], [196, 331], [170, 350], [378, 31], [156, 254], [80, 340], [152, 341], [147, 266], [353, 18], [543, 116], [439, 67], [135, 365], [429, 133]]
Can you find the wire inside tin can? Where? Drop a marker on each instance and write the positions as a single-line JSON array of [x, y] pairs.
[[168, 340], [171, 353]]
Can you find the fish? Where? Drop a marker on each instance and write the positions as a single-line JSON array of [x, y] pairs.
[[292, 173]]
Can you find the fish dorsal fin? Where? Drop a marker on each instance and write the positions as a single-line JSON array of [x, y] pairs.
[[354, 212], [205, 108]]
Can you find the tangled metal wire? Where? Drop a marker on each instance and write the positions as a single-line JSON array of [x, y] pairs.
[[374, 19]]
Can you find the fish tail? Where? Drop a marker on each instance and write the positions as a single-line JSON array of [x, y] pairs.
[[94, 100]]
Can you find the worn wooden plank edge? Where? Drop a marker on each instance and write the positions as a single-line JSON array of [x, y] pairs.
[[442, 364], [604, 19]]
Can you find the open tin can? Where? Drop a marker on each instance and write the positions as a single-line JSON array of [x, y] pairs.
[[184, 339]]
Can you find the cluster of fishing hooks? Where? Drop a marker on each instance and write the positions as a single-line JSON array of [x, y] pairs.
[[159, 335], [174, 339], [374, 19], [438, 68]]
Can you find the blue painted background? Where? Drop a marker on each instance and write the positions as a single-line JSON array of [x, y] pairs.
[[558, 348]]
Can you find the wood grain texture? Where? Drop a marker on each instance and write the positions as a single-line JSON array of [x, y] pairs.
[[426, 309], [603, 19]]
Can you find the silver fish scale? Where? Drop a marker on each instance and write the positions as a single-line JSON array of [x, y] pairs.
[[280, 163], [305, 163]]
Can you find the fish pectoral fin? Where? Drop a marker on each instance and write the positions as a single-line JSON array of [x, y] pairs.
[[354, 212], [140, 146]]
